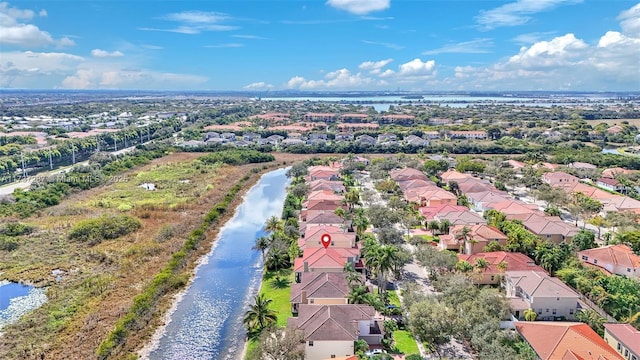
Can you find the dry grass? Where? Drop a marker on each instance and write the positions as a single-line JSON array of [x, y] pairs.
[[612, 122], [102, 280]]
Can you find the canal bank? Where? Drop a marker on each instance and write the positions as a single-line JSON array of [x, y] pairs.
[[206, 318]]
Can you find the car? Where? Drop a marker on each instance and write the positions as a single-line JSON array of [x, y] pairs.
[[374, 352]]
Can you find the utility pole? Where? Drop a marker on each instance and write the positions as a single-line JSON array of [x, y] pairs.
[[73, 153], [97, 144], [24, 170], [115, 144], [148, 133], [50, 160]]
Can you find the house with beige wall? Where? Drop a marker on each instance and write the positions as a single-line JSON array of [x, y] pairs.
[[623, 338], [616, 259]]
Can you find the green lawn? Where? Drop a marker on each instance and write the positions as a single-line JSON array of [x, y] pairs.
[[393, 298], [405, 343], [277, 287]]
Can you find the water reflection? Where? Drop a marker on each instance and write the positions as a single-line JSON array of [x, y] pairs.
[[207, 323]]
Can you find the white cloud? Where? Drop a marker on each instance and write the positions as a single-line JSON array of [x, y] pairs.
[[249, 37], [195, 22], [374, 67], [517, 13], [339, 79], [118, 78], [630, 21], [531, 38], [43, 13], [25, 69], [417, 67], [15, 33], [385, 44], [258, 86], [360, 7], [560, 51], [99, 53], [477, 46], [229, 45]]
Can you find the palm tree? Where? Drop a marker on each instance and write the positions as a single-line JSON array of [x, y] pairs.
[[445, 225], [434, 226], [463, 236], [352, 198], [530, 315], [360, 221], [382, 259], [262, 243], [259, 315], [502, 266], [273, 224], [481, 263]]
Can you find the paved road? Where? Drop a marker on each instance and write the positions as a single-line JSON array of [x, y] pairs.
[[415, 272], [26, 183]]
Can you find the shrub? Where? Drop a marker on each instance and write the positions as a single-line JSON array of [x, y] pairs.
[[8, 244], [93, 231], [16, 229]]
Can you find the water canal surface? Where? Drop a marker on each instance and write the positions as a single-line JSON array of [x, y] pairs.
[[207, 321]]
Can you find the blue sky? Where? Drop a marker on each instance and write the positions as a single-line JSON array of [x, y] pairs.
[[429, 45]]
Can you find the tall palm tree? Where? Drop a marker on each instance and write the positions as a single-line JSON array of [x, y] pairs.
[[262, 243], [530, 315], [352, 198], [273, 224], [463, 237], [259, 315], [445, 225], [381, 260]]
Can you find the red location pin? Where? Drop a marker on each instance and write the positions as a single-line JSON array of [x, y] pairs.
[[326, 240]]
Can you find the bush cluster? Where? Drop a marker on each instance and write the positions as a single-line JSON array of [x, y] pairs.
[[94, 231]]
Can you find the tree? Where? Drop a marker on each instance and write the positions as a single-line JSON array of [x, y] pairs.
[[464, 266], [297, 171], [503, 266], [259, 315], [262, 243], [445, 225], [279, 344], [381, 260], [599, 222], [433, 322], [273, 224], [583, 240], [381, 216], [352, 198], [481, 263], [530, 315], [433, 226], [436, 260], [360, 221], [593, 319]]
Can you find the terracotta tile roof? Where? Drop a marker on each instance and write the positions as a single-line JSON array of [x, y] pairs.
[[330, 258], [327, 217], [480, 232], [332, 285], [626, 334], [513, 207], [452, 175], [407, 174], [416, 183], [514, 261], [488, 197], [331, 322], [324, 195], [545, 225], [430, 211], [464, 217], [613, 172], [620, 255], [323, 184], [552, 340]]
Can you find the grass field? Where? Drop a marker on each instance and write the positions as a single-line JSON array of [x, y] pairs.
[[405, 343], [612, 122], [393, 298], [277, 287]]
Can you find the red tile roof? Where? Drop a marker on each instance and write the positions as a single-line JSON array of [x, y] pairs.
[[620, 255], [552, 340], [626, 334], [514, 261]]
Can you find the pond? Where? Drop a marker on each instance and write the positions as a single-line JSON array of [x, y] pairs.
[[207, 321], [17, 300]]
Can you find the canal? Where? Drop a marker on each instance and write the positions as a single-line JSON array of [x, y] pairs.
[[207, 321]]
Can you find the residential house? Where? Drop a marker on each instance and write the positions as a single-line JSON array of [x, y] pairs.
[[229, 136], [440, 121], [582, 166], [332, 330], [517, 165], [624, 338], [386, 137], [613, 172], [431, 135], [250, 136], [616, 259], [415, 141], [357, 127], [323, 172], [479, 236], [339, 237], [353, 118], [482, 201], [274, 139], [560, 179], [468, 134], [344, 136], [615, 129], [314, 117], [407, 185], [326, 260], [610, 184], [548, 296], [366, 139], [291, 142], [474, 185], [550, 228], [464, 217], [430, 196], [322, 184], [399, 119], [408, 174], [430, 212], [320, 289], [565, 341], [498, 262]]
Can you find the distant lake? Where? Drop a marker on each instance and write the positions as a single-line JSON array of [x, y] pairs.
[[383, 103]]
